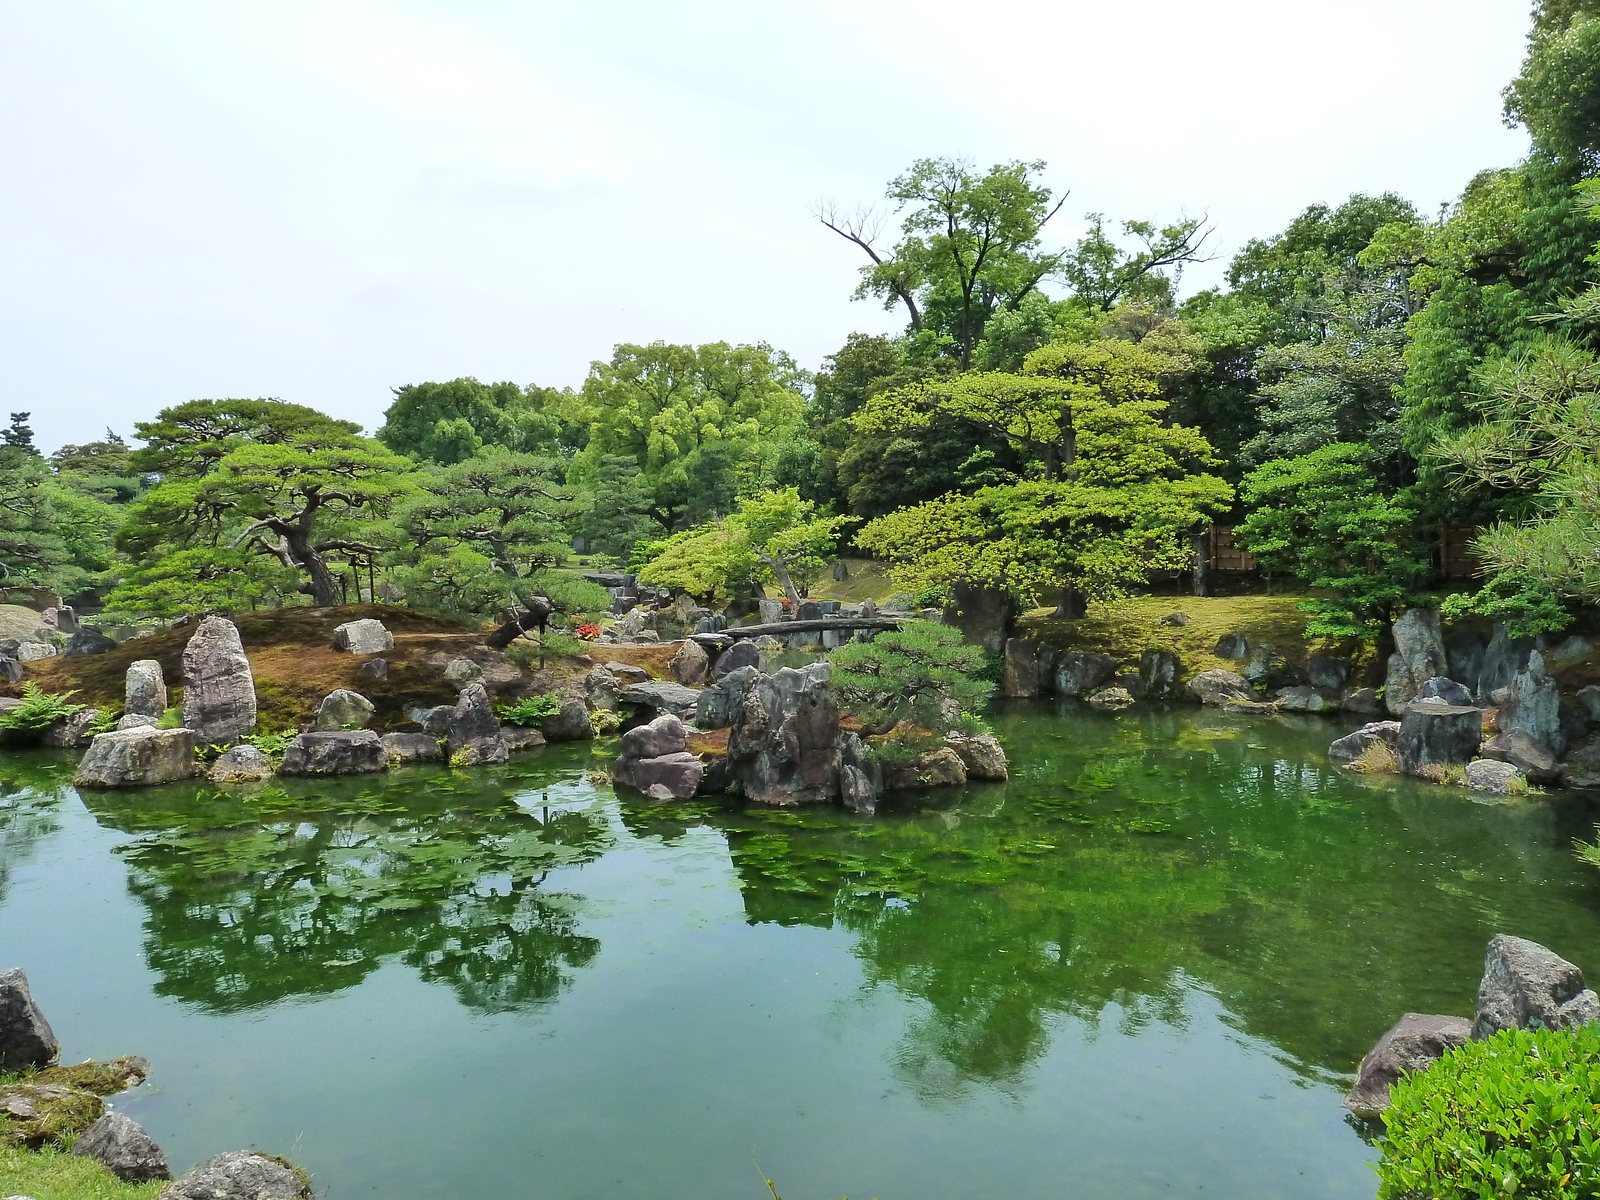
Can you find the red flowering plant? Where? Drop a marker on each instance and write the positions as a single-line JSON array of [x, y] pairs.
[[588, 632]]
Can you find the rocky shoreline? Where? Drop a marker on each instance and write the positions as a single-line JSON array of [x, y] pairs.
[[48, 1104]]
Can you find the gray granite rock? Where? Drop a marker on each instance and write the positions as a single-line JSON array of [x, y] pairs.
[[783, 742], [1080, 672], [1418, 656], [353, 752], [1353, 745], [571, 724], [660, 696], [1528, 986], [219, 695], [1531, 757], [678, 774], [1435, 737], [70, 732], [860, 775], [521, 737], [1533, 705], [1025, 668], [1581, 768], [374, 670], [144, 690], [1158, 674], [742, 653], [366, 636], [1441, 688], [1111, 699], [241, 764], [1503, 658], [690, 665], [1496, 778], [343, 709], [664, 735], [473, 718], [138, 757], [1231, 645], [459, 672], [1219, 687], [122, 1147], [26, 1040], [1329, 672], [88, 641], [1414, 1043], [600, 686], [239, 1175], [1304, 698], [402, 748], [981, 755]]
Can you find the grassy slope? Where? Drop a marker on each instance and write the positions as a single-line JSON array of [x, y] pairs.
[[1127, 629], [52, 1174]]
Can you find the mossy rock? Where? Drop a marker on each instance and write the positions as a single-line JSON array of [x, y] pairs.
[[100, 1079], [34, 1114]]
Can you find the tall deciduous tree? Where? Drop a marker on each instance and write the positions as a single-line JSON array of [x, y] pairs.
[[450, 422]]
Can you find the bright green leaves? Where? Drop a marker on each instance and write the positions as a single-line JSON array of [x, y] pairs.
[[920, 673], [1517, 1114]]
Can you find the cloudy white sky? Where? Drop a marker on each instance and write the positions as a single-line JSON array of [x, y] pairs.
[[322, 201]]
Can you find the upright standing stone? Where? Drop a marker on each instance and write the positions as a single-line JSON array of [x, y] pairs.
[[144, 690], [690, 664], [1418, 656], [1528, 986], [782, 746], [1534, 706], [219, 692], [742, 653], [26, 1041], [474, 729]]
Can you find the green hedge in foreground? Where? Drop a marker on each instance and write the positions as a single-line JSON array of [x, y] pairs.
[[1517, 1114]]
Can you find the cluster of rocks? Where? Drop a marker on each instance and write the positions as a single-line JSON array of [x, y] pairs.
[[219, 709], [786, 744], [27, 636], [53, 1102], [1492, 716], [1524, 986]]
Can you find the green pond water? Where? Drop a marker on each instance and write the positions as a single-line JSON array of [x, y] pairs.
[[1144, 967]]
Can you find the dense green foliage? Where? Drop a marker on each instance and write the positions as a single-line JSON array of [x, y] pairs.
[[1052, 422], [920, 674], [1515, 1114]]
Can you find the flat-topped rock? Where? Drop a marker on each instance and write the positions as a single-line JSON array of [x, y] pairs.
[[366, 636], [352, 752], [138, 757]]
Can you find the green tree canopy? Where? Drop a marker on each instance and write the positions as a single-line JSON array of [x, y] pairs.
[[920, 673], [450, 422]]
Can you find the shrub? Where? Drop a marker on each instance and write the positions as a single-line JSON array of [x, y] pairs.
[[38, 709], [271, 744], [531, 710], [1516, 1114], [920, 673]]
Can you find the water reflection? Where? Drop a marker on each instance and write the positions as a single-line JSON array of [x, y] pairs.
[[1126, 864], [31, 791], [299, 890]]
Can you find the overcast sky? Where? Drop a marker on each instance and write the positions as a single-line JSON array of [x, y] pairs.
[[323, 201]]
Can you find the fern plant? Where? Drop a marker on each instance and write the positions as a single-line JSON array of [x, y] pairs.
[[38, 710], [531, 710]]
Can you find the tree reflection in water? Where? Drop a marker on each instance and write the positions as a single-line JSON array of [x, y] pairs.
[[289, 891], [31, 791]]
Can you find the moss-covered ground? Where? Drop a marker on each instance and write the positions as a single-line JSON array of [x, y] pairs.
[[1124, 630]]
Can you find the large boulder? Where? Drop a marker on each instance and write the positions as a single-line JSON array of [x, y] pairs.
[[26, 1041], [474, 735], [1353, 745], [435, 721], [1503, 658], [240, 1175], [1533, 706], [1158, 674], [664, 735], [860, 775], [983, 615], [1080, 672], [659, 696], [241, 764], [782, 744], [521, 737], [981, 755], [343, 709], [144, 690], [600, 687], [1329, 672], [70, 732], [352, 752], [1415, 1042], [1528, 986], [1219, 687], [459, 672], [677, 775], [1435, 737], [571, 724], [1418, 656], [1025, 662], [1303, 698], [717, 703], [138, 757], [1441, 688], [219, 692], [1582, 766], [403, 748], [1495, 778], [122, 1147], [25, 651], [742, 653], [940, 767], [366, 636], [1231, 645], [1531, 757], [88, 641], [690, 665]]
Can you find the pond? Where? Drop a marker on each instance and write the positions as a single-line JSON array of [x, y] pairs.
[[1144, 967]]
